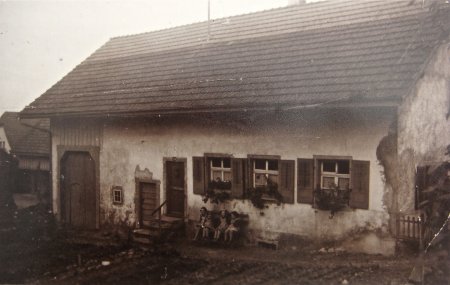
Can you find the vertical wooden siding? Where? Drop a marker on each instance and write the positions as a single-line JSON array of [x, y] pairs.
[[34, 163], [77, 132]]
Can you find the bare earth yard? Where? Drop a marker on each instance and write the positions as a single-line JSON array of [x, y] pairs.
[[32, 253]]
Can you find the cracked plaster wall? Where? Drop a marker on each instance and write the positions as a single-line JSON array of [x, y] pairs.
[[424, 125], [301, 134]]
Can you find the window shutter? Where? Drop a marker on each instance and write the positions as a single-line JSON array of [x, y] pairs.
[[287, 180], [207, 171], [421, 184], [199, 175], [305, 180], [237, 184], [360, 174], [249, 174]]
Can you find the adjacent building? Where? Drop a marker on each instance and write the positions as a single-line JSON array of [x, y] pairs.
[[26, 145]]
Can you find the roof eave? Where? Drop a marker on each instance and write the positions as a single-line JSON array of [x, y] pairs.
[[387, 102]]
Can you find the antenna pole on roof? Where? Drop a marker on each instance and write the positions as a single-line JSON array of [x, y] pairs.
[[209, 8]]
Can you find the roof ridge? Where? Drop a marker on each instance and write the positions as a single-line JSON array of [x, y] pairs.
[[287, 7], [205, 21], [195, 35], [351, 49]]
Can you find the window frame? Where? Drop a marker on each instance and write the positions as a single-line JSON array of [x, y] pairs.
[[336, 175], [266, 171], [318, 166], [114, 190], [220, 169], [208, 157], [252, 158]]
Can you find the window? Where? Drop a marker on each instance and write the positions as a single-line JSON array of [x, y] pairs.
[[272, 174], [335, 173], [265, 170], [220, 169], [117, 195], [2, 145], [327, 172], [238, 174]]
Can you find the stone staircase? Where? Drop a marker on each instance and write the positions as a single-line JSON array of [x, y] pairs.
[[157, 232]]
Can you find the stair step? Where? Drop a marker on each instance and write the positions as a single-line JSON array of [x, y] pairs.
[[151, 231], [142, 240], [170, 219], [164, 225], [142, 231]]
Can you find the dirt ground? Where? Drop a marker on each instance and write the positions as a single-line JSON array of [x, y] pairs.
[[32, 250]]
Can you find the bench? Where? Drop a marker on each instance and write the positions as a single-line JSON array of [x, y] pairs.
[[238, 236]]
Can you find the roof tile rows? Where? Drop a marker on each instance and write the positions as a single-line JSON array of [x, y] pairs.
[[369, 50], [26, 137]]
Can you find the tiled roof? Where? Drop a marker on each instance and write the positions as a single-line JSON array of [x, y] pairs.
[[364, 51], [28, 136]]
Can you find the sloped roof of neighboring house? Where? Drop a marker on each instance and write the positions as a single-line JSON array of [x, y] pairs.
[[333, 52], [26, 137]]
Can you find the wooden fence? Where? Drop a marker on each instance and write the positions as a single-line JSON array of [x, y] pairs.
[[409, 227]]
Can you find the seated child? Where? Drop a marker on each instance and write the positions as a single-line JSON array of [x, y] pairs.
[[201, 223], [222, 226], [208, 227], [233, 227]]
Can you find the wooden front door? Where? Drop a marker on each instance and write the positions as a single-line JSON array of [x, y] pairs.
[[149, 202], [175, 188], [78, 191]]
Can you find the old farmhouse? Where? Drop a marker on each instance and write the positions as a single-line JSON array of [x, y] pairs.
[[342, 98]]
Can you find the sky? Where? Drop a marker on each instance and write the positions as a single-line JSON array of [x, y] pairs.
[[41, 41]]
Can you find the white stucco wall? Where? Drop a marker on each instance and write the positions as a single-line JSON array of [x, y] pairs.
[[5, 139], [424, 124], [299, 134]]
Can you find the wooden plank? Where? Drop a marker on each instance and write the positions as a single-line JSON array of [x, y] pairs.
[[148, 200], [148, 207], [148, 217], [146, 223], [148, 195]]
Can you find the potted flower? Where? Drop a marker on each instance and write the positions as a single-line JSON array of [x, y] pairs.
[[331, 199], [218, 191]]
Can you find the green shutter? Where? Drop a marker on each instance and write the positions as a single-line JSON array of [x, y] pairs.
[[237, 171], [287, 180], [199, 175], [360, 175], [305, 180]]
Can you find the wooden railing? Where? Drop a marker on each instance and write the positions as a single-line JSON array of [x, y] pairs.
[[158, 210], [409, 227]]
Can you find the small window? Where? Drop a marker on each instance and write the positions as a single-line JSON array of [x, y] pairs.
[[265, 170], [335, 173], [2, 145], [117, 195], [220, 169]]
